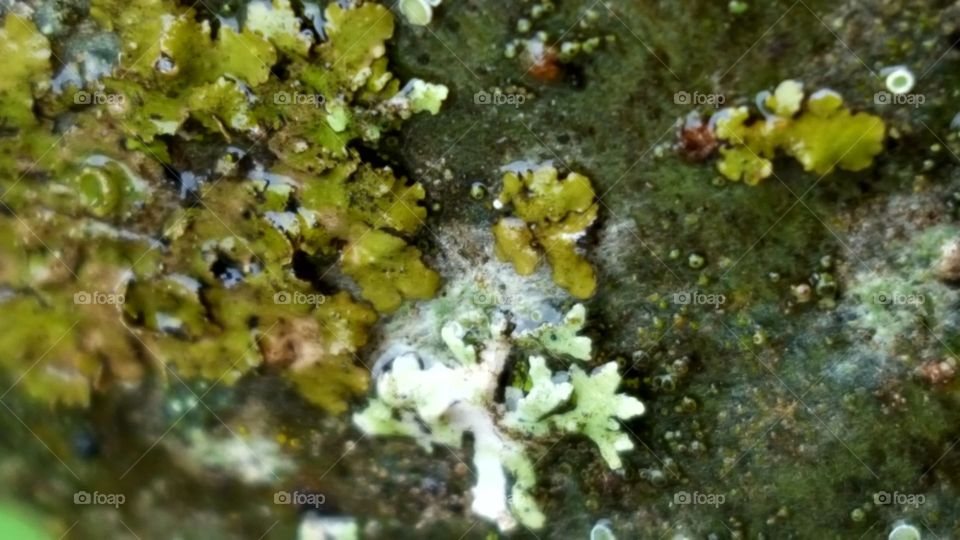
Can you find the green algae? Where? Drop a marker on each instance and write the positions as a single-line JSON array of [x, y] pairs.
[[551, 214]]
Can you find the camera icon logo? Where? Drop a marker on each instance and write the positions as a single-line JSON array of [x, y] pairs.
[[282, 298], [681, 98], [882, 298], [81, 497], [82, 298], [282, 497], [681, 497], [882, 98], [682, 298], [482, 97], [282, 98], [82, 97], [882, 498]]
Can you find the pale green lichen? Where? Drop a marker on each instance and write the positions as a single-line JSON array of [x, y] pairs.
[[278, 23], [787, 98], [418, 12], [551, 214], [562, 339], [598, 407], [820, 133], [425, 96], [897, 302], [437, 400], [545, 396]]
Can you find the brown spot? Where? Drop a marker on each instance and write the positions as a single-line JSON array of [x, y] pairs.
[[938, 371], [544, 65], [696, 140], [948, 267], [294, 342]]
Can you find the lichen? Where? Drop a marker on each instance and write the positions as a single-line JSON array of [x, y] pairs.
[[550, 214], [438, 399], [26, 65], [418, 12], [196, 268], [820, 133]]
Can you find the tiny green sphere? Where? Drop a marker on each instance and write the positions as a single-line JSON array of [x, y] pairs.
[[858, 515], [478, 191], [826, 285], [904, 531], [696, 261], [737, 8]]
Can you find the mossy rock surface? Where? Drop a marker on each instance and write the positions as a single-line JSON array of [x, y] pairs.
[[803, 398]]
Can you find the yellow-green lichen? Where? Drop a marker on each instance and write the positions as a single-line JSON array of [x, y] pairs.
[[26, 55], [820, 133], [201, 279], [550, 214]]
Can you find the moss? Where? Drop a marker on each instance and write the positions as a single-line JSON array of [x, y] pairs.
[[551, 214], [822, 136]]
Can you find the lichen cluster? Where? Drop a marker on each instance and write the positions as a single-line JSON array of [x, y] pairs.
[[550, 214], [819, 132], [215, 269], [437, 399]]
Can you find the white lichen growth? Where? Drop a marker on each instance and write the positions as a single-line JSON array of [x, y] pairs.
[[904, 531], [598, 409], [278, 23], [899, 299], [546, 394], [562, 338], [602, 531], [316, 527], [255, 460], [438, 397]]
